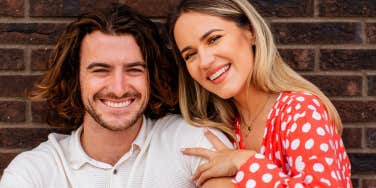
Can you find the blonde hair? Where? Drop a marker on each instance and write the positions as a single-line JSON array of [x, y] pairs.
[[270, 73]]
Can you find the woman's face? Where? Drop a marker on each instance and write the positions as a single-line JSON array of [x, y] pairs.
[[218, 53]]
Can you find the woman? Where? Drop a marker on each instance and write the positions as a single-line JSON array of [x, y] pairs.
[[232, 77]]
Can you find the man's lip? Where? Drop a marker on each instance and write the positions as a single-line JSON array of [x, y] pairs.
[[116, 100], [117, 103]]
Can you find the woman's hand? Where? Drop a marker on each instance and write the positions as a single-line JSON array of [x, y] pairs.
[[223, 162]]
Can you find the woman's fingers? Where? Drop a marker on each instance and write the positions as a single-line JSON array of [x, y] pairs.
[[200, 169], [200, 152], [205, 175], [217, 143]]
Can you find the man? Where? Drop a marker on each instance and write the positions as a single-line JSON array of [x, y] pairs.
[[109, 76]]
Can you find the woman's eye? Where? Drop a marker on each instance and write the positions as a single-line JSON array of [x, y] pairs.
[[213, 39]]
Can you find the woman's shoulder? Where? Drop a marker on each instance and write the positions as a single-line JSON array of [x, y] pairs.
[[290, 103], [289, 98]]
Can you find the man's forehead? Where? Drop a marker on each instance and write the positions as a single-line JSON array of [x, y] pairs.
[[98, 46]]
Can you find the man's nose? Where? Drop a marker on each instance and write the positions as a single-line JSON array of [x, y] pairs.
[[118, 83]]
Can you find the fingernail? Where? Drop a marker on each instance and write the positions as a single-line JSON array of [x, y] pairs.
[[182, 149]]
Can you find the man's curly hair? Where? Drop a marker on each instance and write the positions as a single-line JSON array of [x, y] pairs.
[[60, 86]]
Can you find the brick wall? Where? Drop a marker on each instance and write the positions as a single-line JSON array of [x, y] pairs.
[[330, 42]]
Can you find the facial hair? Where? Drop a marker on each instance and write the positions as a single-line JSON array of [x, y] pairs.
[[125, 125]]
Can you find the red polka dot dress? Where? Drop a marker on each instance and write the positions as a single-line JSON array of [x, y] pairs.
[[300, 148]]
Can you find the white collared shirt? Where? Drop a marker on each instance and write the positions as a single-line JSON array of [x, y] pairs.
[[154, 160]]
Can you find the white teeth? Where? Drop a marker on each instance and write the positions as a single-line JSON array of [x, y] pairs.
[[117, 104], [219, 72]]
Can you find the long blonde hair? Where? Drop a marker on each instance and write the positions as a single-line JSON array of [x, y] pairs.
[[270, 73]]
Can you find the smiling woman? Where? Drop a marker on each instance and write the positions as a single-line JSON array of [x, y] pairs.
[[232, 77], [214, 51]]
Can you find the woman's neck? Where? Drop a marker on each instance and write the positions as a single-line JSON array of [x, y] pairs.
[[249, 101]]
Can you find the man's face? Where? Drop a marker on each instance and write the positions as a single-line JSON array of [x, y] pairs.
[[113, 80]]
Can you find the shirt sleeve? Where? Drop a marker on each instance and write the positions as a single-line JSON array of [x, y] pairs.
[[312, 148], [16, 175]]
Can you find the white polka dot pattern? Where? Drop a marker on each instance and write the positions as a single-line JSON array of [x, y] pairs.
[[251, 183], [254, 167], [300, 148], [266, 178]]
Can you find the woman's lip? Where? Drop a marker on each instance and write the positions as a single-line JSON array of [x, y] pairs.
[[221, 77], [210, 73]]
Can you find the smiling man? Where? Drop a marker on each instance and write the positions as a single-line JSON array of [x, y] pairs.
[[110, 79]]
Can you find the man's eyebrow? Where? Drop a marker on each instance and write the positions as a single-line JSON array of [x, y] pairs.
[[96, 64], [104, 65], [201, 38], [135, 64]]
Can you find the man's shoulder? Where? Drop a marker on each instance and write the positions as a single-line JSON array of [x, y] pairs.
[[39, 157], [176, 125], [30, 168], [175, 129], [171, 134]]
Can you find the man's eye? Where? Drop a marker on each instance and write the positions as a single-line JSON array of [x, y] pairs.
[[136, 70], [213, 39], [188, 56], [100, 70]]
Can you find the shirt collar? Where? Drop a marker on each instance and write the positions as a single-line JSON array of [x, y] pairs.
[[78, 157]]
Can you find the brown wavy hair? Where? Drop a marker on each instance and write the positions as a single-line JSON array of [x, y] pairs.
[[60, 86]]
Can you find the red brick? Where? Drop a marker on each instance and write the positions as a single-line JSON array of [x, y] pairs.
[[12, 111], [369, 183], [348, 59], [352, 137], [11, 59], [291, 8], [12, 8], [363, 163], [356, 111], [150, 10], [347, 8], [5, 159], [371, 32], [30, 33], [25, 137], [371, 137], [17, 86], [317, 33], [372, 85], [299, 59], [64, 8], [355, 182], [41, 113], [344, 85], [39, 59]]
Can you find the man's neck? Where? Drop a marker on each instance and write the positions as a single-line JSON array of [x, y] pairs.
[[105, 145]]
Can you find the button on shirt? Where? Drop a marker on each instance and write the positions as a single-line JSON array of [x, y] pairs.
[[89, 172]]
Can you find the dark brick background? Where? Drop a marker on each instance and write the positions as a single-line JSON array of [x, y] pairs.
[[330, 42]]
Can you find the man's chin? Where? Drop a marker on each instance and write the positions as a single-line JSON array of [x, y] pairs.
[[120, 124]]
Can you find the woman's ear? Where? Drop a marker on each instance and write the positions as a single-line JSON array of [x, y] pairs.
[[251, 38], [250, 35]]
